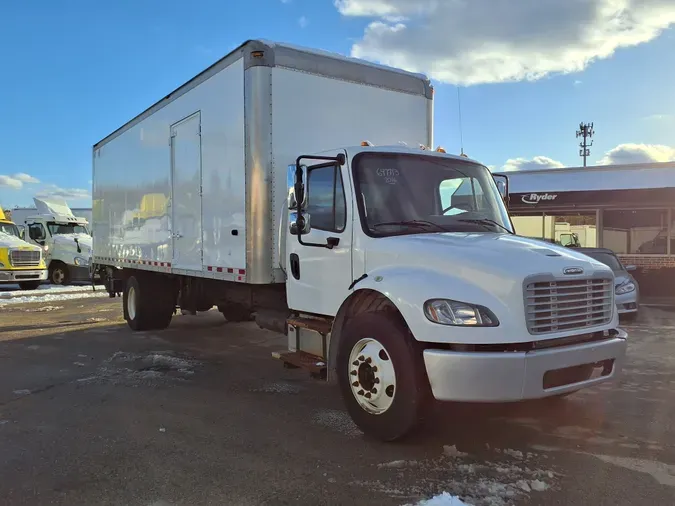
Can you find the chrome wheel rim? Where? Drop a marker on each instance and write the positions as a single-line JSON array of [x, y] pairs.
[[372, 376]]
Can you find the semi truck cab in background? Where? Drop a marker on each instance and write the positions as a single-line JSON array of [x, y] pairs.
[[302, 191], [64, 239], [20, 263]]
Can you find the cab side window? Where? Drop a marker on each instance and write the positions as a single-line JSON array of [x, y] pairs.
[[36, 232], [327, 207]]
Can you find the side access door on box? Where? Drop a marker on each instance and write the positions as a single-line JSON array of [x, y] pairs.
[[186, 202]]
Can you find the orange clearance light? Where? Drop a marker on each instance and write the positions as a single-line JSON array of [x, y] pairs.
[[439, 149], [257, 54], [464, 155], [366, 143]]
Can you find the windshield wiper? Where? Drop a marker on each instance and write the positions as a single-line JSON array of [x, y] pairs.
[[424, 224], [486, 222]]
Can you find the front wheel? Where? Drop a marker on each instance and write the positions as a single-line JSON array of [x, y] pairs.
[[59, 274], [381, 376]]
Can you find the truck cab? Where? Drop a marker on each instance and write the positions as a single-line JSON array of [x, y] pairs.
[[411, 257], [64, 239], [20, 262]]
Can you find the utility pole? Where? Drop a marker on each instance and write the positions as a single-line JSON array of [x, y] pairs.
[[585, 131]]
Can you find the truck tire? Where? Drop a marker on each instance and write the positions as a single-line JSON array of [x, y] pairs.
[[381, 376], [147, 304], [29, 285], [59, 273], [236, 313]]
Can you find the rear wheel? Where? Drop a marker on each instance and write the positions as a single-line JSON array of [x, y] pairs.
[[149, 303], [59, 274], [381, 376], [29, 285]]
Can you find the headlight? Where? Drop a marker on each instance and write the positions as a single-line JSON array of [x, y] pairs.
[[452, 312], [2, 266], [626, 287], [79, 261]]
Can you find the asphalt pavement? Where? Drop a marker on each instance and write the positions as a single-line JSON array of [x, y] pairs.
[[200, 414]]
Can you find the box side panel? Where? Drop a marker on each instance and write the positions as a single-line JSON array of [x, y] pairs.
[[133, 189], [313, 113]]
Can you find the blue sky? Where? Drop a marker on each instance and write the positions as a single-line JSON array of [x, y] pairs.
[[75, 70]]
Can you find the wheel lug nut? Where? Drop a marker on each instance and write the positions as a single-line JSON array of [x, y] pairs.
[[374, 391], [374, 368], [369, 360], [377, 381], [355, 384], [353, 373], [361, 358], [360, 392], [356, 362], [368, 395]]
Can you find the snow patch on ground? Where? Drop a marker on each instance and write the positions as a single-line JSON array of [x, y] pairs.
[[51, 297], [444, 499], [43, 309], [138, 369], [6, 292], [499, 479]]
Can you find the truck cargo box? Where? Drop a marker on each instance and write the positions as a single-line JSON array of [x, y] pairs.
[[196, 184]]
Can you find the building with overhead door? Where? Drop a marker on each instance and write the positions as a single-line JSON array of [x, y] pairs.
[[629, 209]]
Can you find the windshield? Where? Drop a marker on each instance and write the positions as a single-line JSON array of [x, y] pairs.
[[412, 194], [608, 259], [66, 228], [9, 228]]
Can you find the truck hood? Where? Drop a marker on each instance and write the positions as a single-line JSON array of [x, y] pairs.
[[68, 241], [479, 256], [486, 269], [11, 241]]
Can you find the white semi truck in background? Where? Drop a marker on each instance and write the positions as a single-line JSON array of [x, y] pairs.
[[393, 269], [64, 239]]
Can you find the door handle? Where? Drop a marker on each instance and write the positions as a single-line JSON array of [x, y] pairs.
[[331, 242]]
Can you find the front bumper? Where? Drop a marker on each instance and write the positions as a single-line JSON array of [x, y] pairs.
[[515, 376], [19, 275]]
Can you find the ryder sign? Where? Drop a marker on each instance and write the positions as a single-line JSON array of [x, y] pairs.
[[535, 198]]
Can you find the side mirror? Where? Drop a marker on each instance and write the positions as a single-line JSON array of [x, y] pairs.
[[302, 224], [502, 183], [290, 184], [631, 268]]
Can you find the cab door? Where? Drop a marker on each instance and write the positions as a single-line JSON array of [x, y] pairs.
[[319, 272]]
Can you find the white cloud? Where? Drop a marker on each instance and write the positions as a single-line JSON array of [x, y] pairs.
[[10, 182], [659, 117], [303, 21], [65, 193], [638, 153], [26, 178], [578, 82], [538, 162], [484, 41], [16, 181]]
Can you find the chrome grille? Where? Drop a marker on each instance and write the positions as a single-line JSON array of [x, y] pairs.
[[560, 305], [24, 258]]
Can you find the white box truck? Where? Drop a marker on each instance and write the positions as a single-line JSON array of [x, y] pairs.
[[392, 269]]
